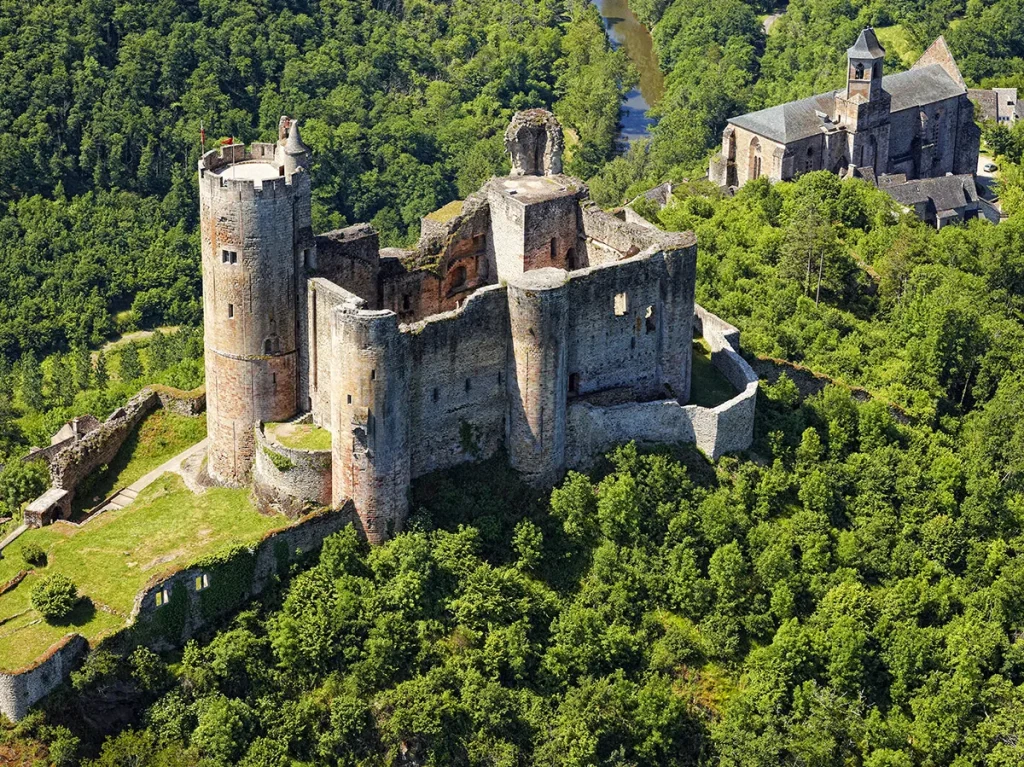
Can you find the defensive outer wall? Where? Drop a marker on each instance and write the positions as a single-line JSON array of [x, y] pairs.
[[228, 581]]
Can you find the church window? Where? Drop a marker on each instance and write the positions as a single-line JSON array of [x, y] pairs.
[[406, 302], [437, 394], [757, 167], [858, 72]]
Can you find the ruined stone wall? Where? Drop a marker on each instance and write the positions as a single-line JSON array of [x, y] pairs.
[[508, 217], [550, 233], [99, 447], [271, 558], [350, 258], [21, 689], [593, 430], [186, 403], [324, 297], [250, 308], [457, 387], [302, 482]]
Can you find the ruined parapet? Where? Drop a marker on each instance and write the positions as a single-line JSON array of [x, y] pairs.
[[370, 419], [534, 140], [256, 241], [537, 378], [290, 480]]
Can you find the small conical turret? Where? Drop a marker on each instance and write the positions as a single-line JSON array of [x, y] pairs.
[[296, 153]]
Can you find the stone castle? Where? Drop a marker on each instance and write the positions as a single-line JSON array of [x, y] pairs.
[[526, 320], [917, 124]]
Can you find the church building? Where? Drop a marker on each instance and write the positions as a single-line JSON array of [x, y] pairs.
[[918, 124]]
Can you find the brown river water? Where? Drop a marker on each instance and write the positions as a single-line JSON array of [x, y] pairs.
[[626, 32]]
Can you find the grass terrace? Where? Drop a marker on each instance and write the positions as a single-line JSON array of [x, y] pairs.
[[113, 556], [299, 436], [159, 437], [708, 387]]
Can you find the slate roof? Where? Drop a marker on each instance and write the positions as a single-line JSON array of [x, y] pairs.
[[799, 119], [867, 46], [945, 193]]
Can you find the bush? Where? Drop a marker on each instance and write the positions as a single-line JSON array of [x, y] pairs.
[[54, 597], [33, 555]]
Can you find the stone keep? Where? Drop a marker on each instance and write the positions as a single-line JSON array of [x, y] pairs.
[[256, 241]]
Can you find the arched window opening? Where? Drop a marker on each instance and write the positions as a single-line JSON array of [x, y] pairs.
[[858, 72]]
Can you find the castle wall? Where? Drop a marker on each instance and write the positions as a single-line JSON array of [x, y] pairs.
[[97, 448], [508, 219], [302, 483], [370, 419], [20, 690], [549, 233], [350, 258], [457, 388], [593, 430], [323, 297], [538, 382]]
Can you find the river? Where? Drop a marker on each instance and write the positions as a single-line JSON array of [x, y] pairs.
[[626, 32]]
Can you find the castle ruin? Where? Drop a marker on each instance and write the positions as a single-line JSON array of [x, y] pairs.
[[525, 320]]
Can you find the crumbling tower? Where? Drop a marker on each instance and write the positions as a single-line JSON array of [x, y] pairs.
[[256, 242]]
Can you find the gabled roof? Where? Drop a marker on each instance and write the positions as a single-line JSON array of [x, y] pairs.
[[792, 121], [866, 47], [801, 119], [943, 193], [919, 86], [939, 53]]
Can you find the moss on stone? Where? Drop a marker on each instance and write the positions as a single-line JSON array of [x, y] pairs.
[[445, 213]]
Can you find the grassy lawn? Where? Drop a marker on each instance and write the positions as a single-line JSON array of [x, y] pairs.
[[113, 556], [159, 437], [708, 387], [301, 436]]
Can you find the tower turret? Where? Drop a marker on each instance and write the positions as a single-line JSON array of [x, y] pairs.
[[370, 419], [864, 67], [538, 383], [256, 233], [295, 154]]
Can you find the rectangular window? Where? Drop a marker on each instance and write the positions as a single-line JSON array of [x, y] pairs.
[[163, 596], [228, 256], [349, 399], [273, 378], [437, 395], [202, 582], [621, 304], [406, 302], [373, 375], [231, 311], [554, 248]]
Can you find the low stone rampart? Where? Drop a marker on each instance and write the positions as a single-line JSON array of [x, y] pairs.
[[21, 689], [593, 430], [231, 579], [186, 403], [99, 447], [227, 581], [289, 480]]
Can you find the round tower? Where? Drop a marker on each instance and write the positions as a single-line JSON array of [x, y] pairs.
[[256, 234], [538, 384], [370, 419]]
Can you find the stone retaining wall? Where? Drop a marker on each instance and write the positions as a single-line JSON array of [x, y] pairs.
[[21, 689], [271, 558], [294, 490], [187, 403]]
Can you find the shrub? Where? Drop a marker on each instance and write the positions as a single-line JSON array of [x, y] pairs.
[[54, 597], [32, 554]]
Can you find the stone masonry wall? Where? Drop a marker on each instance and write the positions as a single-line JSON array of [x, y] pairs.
[[323, 297], [272, 558], [98, 447], [20, 690], [457, 364], [594, 430], [295, 490]]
